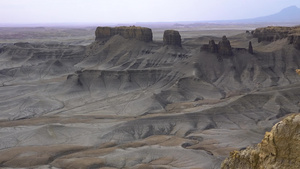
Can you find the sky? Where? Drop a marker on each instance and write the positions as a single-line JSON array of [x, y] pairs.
[[132, 11]]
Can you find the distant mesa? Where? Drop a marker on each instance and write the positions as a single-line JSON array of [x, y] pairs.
[[131, 32], [273, 33], [172, 37]]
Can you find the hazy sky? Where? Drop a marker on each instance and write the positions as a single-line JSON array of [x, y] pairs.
[[113, 11]]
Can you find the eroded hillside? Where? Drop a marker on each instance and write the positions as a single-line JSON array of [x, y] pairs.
[[125, 102]]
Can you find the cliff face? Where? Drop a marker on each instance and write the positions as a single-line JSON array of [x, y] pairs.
[[132, 32], [271, 33], [280, 148], [295, 40], [172, 37]]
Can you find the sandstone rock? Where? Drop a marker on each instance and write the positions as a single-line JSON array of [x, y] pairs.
[[295, 40], [224, 47], [172, 37], [271, 33], [280, 148], [213, 48], [132, 32], [210, 47], [250, 48]]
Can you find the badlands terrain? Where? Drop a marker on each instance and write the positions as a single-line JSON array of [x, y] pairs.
[[132, 97]]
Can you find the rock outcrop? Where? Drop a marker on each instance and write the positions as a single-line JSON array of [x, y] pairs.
[[224, 47], [272, 33], [280, 148], [172, 37], [213, 48], [132, 32], [295, 40], [250, 48]]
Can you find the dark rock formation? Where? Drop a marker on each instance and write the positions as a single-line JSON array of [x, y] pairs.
[[132, 32], [224, 47], [210, 47], [295, 40], [213, 48], [280, 148], [271, 33], [250, 48], [172, 37]]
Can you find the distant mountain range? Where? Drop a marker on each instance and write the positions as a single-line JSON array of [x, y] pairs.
[[287, 15]]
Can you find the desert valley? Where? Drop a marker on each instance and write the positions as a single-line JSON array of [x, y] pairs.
[[137, 97]]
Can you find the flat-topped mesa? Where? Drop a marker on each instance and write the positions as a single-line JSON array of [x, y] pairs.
[[172, 37], [271, 33], [224, 47], [132, 32]]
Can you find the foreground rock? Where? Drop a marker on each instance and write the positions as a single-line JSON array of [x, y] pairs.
[[280, 148], [132, 32], [172, 37]]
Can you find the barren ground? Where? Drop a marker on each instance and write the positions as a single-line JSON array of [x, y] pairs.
[[69, 102]]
